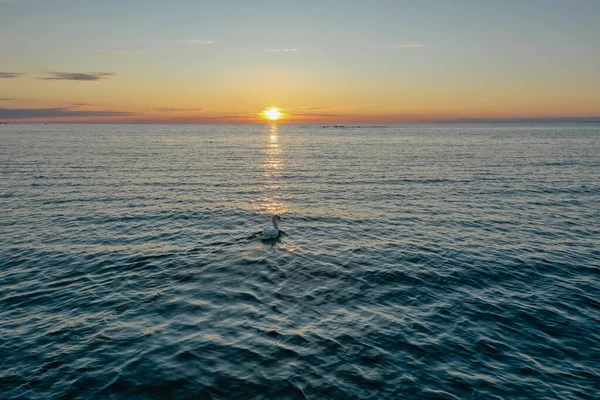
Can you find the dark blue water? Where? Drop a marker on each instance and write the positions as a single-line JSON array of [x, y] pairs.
[[416, 262]]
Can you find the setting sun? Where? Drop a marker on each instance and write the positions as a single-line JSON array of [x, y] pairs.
[[272, 113]]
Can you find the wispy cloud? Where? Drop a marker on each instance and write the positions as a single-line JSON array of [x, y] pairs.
[[7, 75], [280, 50], [6, 98], [303, 108], [225, 117], [410, 46], [24, 113], [195, 41], [594, 119], [170, 109], [80, 104], [78, 76], [117, 52], [314, 115]]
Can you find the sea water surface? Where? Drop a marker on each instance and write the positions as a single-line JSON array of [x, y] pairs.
[[417, 261]]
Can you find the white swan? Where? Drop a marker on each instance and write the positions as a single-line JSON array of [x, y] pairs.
[[272, 233]]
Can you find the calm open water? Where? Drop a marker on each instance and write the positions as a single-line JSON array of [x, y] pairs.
[[423, 261]]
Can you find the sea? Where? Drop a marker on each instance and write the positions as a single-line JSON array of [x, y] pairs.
[[451, 261]]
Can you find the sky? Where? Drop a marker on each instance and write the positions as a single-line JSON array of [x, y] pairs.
[[326, 61]]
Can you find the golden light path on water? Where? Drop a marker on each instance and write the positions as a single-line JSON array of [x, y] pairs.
[[274, 188]]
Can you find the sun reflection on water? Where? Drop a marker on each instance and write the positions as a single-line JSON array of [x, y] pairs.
[[274, 187]]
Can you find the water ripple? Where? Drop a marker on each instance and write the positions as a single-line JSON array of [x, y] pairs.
[[416, 262]]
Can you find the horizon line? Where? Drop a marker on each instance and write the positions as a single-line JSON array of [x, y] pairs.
[[469, 121]]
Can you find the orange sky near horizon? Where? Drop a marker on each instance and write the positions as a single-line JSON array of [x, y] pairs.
[[401, 101]]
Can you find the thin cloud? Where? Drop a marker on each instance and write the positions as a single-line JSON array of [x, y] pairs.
[[6, 98], [280, 50], [8, 75], [219, 117], [199, 119], [171, 109], [314, 115], [303, 108], [196, 41], [411, 46], [117, 52], [24, 113], [78, 76], [591, 119]]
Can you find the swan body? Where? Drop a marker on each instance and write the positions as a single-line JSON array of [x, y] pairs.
[[272, 233]]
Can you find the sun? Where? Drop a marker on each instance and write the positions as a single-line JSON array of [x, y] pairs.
[[272, 113]]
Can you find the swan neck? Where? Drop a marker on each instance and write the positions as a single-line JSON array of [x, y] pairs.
[[275, 223]]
